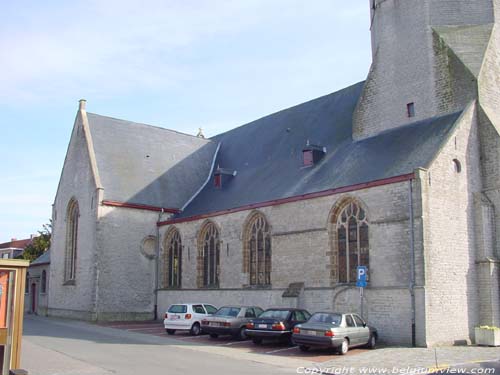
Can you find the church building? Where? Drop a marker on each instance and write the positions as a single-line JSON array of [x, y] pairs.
[[399, 173]]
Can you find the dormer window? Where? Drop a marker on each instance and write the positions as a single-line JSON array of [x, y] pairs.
[[308, 158], [218, 181], [222, 176], [312, 154]]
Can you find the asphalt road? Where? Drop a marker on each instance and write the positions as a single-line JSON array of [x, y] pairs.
[[53, 347]]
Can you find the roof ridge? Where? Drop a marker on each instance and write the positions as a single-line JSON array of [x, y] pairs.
[[151, 126]]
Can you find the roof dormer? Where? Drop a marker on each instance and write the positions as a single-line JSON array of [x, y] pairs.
[[222, 176], [312, 154]]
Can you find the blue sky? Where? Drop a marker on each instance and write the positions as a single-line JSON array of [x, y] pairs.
[[178, 64]]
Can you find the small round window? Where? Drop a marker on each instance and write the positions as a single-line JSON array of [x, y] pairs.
[[148, 247], [457, 165]]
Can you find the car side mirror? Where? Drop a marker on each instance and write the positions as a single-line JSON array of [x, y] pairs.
[[364, 325]]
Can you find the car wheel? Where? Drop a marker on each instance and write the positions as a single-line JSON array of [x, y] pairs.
[[257, 341], [214, 335], [195, 329], [242, 334], [344, 348], [170, 331], [372, 342], [303, 348]]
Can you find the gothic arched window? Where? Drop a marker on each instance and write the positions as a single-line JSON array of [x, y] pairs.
[[257, 250], [351, 229], [208, 256], [72, 216], [173, 260]]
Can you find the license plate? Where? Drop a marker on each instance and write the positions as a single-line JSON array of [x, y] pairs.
[[262, 326], [308, 332], [175, 317], [214, 324]]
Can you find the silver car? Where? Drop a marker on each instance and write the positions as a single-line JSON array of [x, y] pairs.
[[333, 330], [230, 320]]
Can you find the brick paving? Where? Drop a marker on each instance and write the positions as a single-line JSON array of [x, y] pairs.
[[390, 360], [408, 360]]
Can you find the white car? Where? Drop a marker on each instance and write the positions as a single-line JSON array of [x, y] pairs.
[[187, 317]]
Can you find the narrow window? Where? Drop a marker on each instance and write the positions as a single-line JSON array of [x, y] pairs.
[[173, 260], [410, 109], [258, 248], [457, 165], [27, 286], [43, 282], [71, 241], [352, 242]]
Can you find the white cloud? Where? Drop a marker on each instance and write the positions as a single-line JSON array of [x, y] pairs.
[[104, 48]]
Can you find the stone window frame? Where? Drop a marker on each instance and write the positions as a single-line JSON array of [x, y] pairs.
[[335, 214], [208, 228], [172, 234], [71, 246], [43, 282], [252, 219]]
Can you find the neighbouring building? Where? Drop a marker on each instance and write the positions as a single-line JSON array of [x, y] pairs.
[[14, 248], [37, 285], [399, 173]]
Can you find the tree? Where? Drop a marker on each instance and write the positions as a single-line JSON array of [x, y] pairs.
[[39, 244]]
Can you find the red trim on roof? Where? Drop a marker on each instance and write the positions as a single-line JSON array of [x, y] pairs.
[[140, 206], [324, 193]]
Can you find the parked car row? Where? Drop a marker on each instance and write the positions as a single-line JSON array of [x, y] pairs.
[[291, 325]]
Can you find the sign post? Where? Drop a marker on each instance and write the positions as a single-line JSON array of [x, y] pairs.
[[361, 284]]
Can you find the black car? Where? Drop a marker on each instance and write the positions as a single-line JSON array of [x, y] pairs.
[[276, 324]]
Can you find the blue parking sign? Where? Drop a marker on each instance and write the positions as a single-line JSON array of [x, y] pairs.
[[361, 280]]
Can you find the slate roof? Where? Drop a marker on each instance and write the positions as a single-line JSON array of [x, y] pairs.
[[148, 165], [42, 259], [267, 153]]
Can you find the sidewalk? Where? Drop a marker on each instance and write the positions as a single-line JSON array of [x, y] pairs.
[[406, 360]]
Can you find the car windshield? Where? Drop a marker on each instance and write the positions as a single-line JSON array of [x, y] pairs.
[[228, 311], [177, 309], [334, 319], [274, 314]]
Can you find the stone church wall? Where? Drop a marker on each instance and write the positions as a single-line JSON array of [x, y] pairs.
[[126, 242], [301, 252], [451, 288], [75, 301]]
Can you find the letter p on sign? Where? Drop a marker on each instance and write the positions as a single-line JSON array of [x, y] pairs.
[[361, 281]]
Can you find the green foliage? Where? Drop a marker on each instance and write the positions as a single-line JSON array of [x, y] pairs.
[[39, 245]]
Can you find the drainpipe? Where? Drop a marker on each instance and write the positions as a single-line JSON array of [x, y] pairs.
[[412, 263], [157, 266]]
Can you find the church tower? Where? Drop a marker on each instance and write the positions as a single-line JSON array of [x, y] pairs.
[[430, 58], [427, 58]]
